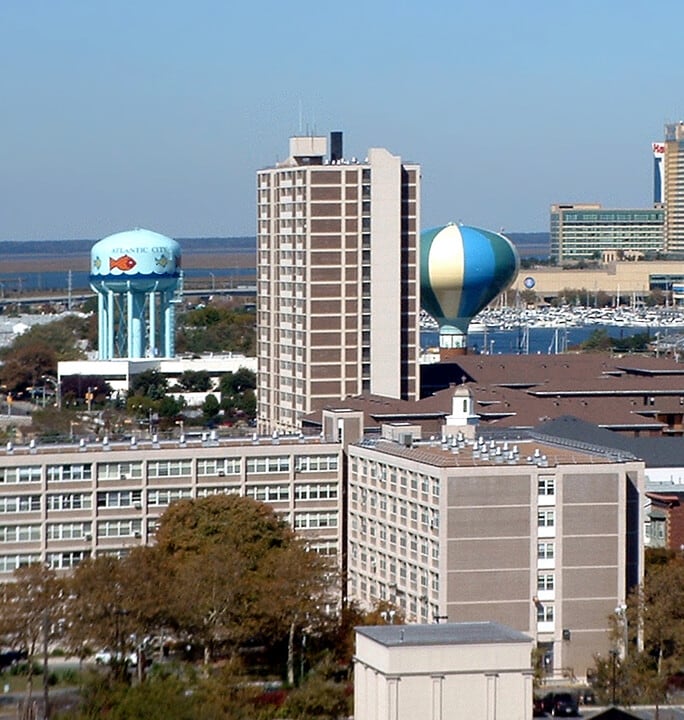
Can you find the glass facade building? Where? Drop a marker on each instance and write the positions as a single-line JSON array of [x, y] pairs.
[[585, 231]]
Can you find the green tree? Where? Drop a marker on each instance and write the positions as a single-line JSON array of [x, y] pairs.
[[210, 407], [195, 381], [150, 383], [318, 699], [599, 340], [237, 382], [238, 398]]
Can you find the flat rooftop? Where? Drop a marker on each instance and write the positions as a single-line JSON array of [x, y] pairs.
[[487, 453], [466, 633]]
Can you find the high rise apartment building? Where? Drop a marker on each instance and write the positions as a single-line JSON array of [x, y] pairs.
[[338, 281]]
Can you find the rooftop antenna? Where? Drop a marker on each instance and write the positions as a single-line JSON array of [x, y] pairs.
[[301, 122]]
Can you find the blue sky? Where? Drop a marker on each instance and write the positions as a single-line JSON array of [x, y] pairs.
[[157, 113]]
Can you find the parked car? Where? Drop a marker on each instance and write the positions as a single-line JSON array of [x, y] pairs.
[[561, 704], [12, 657], [105, 657]]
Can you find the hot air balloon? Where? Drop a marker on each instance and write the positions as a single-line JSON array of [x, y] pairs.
[[462, 269]]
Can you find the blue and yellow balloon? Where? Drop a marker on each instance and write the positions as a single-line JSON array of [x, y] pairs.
[[462, 269]]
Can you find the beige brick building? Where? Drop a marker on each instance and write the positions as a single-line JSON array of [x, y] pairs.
[[62, 504], [542, 538]]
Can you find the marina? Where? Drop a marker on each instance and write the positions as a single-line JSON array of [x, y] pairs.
[[552, 330]]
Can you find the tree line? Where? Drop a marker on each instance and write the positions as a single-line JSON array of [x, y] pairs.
[[226, 579]]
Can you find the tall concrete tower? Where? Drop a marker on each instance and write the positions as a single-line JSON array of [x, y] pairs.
[[338, 286], [135, 274]]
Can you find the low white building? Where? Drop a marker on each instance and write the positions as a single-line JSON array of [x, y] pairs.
[[474, 670], [119, 371]]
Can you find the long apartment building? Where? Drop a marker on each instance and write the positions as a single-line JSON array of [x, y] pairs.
[[543, 538], [62, 504], [329, 228]]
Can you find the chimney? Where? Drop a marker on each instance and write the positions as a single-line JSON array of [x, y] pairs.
[[336, 146]]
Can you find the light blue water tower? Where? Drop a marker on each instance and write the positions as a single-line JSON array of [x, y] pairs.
[[136, 275]]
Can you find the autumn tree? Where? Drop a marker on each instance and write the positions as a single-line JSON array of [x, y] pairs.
[[30, 615], [218, 327], [25, 366], [648, 637], [115, 603], [239, 573]]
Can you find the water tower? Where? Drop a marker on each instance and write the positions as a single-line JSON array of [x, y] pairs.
[[136, 276]]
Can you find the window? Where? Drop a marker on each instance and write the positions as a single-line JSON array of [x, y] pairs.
[[19, 533], [317, 491], [119, 471], [316, 463], [324, 547], [308, 521], [544, 613], [20, 503], [27, 474], [169, 468], [268, 493], [59, 473], [221, 490], [262, 465], [545, 581], [68, 531], [165, 496], [546, 518], [69, 501], [66, 560], [545, 551], [546, 485], [9, 563], [219, 466], [119, 528], [118, 498]]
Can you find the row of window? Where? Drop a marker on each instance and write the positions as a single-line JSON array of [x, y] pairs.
[[162, 497], [394, 477], [167, 468], [70, 531]]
